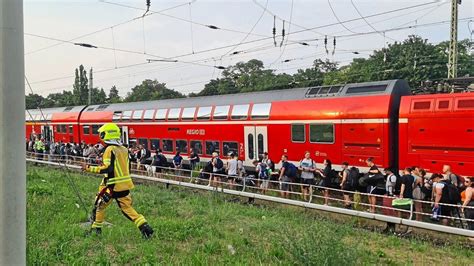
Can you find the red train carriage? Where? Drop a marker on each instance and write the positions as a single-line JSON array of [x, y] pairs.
[[438, 129], [343, 123]]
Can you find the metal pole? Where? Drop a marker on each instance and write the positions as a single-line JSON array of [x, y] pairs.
[[453, 42], [90, 87], [12, 135]]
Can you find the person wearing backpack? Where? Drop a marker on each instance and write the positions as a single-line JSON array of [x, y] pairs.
[[456, 180], [218, 171], [307, 168], [261, 169], [350, 180], [444, 192], [287, 174], [326, 175], [376, 184]]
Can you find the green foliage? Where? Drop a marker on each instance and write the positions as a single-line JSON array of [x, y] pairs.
[[80, 88], [151, 90], [204, 228], [114, 96]]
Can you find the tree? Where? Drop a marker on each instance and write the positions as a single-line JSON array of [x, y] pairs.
[[80, 87], [151, 90], [65, 98], [114, 96], [34, 101], [98, 96]]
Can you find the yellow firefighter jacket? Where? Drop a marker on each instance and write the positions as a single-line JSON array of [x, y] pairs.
[[116, 168]]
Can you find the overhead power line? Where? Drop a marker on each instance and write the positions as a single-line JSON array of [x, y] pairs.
[[367, 22], [103, 29], [227, 46]]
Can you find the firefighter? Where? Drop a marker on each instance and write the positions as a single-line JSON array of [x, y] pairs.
[[117, 182]]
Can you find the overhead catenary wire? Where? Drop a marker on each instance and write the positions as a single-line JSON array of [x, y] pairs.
[[227, 46], [250, 32], [337, 18], [367, 22], [103, 29]]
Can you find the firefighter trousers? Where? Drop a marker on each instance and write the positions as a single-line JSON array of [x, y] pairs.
[[125, 204]]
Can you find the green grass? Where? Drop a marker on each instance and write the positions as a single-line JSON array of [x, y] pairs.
[[205, 228]]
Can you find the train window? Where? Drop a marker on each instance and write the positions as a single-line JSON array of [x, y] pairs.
[[443, 104], [167, 145], [67, 109], [188, 114], [70, 130], [143, 142], [86, 130], [137, 115], [148, 115], [204, 113], [321, 133], [335, 89], [95, 129], [90, 109], [221, 112], [173, 114], [126, 115], [230, 147], [62, 128], [212, 146], [240, 112], [251, 146], [425, 105], [155, 144], [160, 114], [466, 104], [182, 146], [196, 145], [117, 115], [102, 107], [261, 110], [298, 133], [260, 144], [366, 89], [324, 90]]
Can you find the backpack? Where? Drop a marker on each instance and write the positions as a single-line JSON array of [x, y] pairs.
[[271, 165], [291, 171], [219, 164], [452, 192], [460, 180], [353, 177], [263, 171]]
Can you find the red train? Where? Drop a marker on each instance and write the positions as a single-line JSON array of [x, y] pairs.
[[344, 123]]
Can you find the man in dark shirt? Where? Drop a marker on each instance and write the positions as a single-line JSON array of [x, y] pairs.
[[406, 190], [193, 159]]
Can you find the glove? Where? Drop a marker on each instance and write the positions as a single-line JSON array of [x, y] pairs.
[[106, 197]]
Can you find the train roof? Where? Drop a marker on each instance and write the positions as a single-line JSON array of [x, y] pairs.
[[388, 87]]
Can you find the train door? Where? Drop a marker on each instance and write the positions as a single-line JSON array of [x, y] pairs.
[[125, 135], [47, 133], [256, 142]]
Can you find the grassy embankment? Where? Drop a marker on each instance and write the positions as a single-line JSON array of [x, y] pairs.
[[205, 228]]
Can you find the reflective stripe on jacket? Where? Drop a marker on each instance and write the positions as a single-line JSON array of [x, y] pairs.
[[116, 168]]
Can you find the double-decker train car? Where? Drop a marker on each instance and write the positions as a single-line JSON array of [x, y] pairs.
[[343, 123]]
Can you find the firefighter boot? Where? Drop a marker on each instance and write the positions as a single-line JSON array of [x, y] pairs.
[[146, 230]]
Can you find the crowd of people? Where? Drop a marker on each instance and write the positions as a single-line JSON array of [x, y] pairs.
[[443, 195]]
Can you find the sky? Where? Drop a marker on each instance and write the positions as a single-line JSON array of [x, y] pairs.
[[176, 31]]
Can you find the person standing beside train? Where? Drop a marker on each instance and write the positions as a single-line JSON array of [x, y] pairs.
[[307, 168], [231, 166], [287, 173]]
